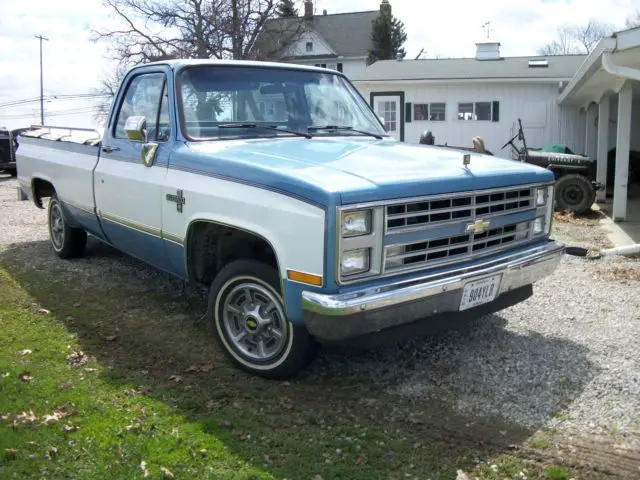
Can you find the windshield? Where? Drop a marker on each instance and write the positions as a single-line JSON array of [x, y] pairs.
[[296, 100]]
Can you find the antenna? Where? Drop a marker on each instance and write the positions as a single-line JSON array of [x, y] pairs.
[[487, 27]]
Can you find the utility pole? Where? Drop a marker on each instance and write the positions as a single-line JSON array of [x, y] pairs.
[[41, 38]]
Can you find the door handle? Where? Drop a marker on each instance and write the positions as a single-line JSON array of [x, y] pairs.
[[109, 149]]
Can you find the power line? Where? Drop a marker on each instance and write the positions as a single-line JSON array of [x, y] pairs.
[[60, 113], [80, 96]]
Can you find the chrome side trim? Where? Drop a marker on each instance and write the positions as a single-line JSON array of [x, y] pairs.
[[518, 269]]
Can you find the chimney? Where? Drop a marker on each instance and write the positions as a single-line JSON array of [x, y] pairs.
[[308, 9], [385, 8], [488, 51]]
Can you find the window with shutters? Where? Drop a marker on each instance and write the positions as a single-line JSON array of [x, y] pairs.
[[429, 111], [481, 111]]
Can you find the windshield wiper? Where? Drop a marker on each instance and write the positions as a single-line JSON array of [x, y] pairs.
[[314, 128], [266, 127]]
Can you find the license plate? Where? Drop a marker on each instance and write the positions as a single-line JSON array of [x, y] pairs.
[[480, 291]]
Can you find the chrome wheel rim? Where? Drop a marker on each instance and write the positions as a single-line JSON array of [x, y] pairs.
[[56, 226], [254, 322]]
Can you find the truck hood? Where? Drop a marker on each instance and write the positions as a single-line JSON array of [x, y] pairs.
[[360, 169]]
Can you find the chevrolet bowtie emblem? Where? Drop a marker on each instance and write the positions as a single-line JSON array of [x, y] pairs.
[[478, 226]]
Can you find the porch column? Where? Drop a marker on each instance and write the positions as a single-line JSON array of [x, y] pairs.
[[590, 131], [604, 110], [623, 145]]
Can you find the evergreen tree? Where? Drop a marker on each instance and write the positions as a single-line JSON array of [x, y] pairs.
[[387, 37], [286, 8]]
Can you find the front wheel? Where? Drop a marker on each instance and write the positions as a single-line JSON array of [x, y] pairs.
[[67, 241], [250, 324], [574, 193]]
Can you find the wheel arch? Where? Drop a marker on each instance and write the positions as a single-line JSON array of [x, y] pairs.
[[41, 188], [205, 233]]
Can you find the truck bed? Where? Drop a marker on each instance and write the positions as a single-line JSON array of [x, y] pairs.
[[65, 155]]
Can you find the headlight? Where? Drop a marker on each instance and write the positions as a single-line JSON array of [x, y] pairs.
[[541, 196], [538, 225], [356, 223], [355, 261], [542, 223]]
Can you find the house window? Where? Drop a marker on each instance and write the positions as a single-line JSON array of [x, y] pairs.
[[387, 110], [429, 111], [309, 46], [483, 111]]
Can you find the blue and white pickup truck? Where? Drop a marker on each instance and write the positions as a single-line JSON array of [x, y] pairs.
[[276, 187]]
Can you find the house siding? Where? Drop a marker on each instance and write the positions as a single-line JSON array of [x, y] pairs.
[[544, 121], [351, 67]]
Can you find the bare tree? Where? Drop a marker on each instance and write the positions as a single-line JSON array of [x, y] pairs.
[[633, 20], [109, 87], [577, 39], [562, 45], [153, 29]]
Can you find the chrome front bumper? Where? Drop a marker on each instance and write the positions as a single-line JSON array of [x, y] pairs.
[[346, 315]]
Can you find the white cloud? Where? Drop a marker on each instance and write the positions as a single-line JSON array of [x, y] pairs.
[[451, 27], [73, 64]]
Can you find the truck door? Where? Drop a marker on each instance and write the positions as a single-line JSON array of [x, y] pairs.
[[128, 191]]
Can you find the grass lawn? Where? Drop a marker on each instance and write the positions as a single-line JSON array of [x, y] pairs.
[[106, 382]]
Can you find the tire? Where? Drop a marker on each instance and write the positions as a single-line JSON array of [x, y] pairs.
[[66, 241], [231, 315], [574, 193]]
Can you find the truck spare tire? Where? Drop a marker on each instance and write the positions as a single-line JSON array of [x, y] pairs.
[[574, 193]]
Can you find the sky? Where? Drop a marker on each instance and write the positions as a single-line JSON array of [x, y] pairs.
[[73, 64]]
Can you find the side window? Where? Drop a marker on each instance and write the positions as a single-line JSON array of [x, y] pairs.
[[143, 98]]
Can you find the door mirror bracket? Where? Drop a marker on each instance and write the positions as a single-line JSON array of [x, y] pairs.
[[136, 129]]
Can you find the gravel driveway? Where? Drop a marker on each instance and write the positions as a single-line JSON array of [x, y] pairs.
[[568, 358]]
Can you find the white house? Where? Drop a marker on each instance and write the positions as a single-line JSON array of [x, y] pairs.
[[339, 41], [457, 99], [554, 96]]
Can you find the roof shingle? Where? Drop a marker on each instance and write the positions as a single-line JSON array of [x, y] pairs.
[[348, 34]]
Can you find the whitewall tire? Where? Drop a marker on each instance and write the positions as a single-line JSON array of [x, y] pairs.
[[250, 324]]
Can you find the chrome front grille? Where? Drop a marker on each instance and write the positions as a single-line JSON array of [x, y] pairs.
[[437, 251], [457, 208]]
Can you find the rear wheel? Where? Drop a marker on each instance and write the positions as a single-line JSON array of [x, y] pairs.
[[574, 193], [250, 324], [67, 241]]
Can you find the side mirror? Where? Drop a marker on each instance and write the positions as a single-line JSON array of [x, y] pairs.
[[136, 128]]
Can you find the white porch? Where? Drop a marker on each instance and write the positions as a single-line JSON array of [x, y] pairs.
[[607, 86]]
